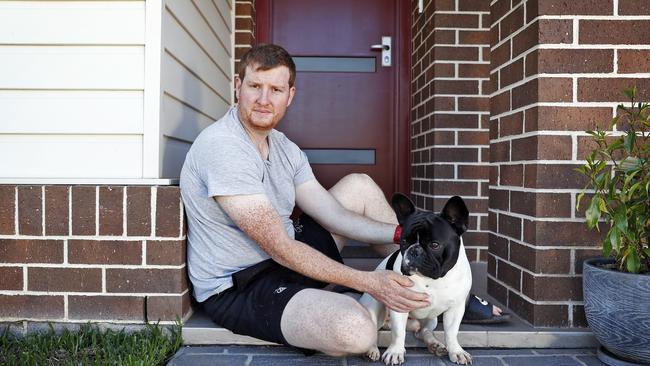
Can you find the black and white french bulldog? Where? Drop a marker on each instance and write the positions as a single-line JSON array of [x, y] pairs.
[[434, 259]]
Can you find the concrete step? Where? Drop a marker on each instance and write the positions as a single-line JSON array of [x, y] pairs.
[[200, 330]]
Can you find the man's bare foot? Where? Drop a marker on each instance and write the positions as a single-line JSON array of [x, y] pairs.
[[479, 311], [496, 310]]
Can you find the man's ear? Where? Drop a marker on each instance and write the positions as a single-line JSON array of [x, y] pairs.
[[292, 92], [237, 86], [457, 214], [402, 206]]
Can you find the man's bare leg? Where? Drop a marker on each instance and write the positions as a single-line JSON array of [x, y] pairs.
[[328, 322], [360, 194]]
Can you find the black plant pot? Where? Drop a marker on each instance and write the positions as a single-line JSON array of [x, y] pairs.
[[617, 305]]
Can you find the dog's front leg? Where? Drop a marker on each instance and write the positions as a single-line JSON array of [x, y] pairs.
[[394, 354], [377, 313], [452, 319]]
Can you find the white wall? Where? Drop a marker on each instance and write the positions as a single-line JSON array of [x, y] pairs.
[[71, 89], [197, 69], [109, 90]]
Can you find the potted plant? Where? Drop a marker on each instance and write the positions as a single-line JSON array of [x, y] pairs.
[[616, 287]]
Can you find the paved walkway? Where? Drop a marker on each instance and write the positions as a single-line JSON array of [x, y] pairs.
[[281, 356]]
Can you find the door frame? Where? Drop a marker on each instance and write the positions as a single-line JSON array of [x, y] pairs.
[[402, 58]]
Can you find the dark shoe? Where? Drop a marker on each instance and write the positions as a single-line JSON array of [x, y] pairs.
[[479, 311]]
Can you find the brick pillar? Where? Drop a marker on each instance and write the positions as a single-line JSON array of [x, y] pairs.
[[557, 69], [244, 28], [450, 111], [92, 253]]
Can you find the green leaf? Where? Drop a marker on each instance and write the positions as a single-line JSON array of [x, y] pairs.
[[630, 138], [602, 206], [578, 199], [633, 189], [601, 179], [620, 219], [610, 241], [630, 93], [633, 261], [593, 213], [616, 145]]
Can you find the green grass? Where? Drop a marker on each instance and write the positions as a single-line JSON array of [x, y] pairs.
[[91, 346]]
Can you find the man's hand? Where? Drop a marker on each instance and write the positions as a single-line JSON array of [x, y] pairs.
[[390, 288]]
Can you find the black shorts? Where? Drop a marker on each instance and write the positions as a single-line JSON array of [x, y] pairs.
[[254, 305]]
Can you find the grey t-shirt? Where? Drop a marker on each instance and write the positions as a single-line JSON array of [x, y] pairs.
[[223, 162]]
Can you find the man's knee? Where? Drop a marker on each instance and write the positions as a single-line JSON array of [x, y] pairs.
[[360, 180], [355, 331]]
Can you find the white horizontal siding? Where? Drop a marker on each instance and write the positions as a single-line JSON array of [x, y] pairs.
[[78, 99], [71, 89], [72, 67], [173, 152], [71, 112], [184, 86], [219, 22], [196, 74], [225, 10], [72, 22], [70, 156], [193, 57], [189, 17], [183, 121]]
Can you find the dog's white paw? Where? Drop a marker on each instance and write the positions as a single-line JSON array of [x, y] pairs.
[[460, 357], [394, 355], [373, 353]]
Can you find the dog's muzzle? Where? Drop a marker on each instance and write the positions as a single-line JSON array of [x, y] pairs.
[[416, 260]]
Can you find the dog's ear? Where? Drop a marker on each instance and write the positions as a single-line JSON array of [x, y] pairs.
[[457, 214], [402, 206]]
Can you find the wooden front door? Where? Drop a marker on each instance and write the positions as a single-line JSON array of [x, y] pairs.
[[350, 113]]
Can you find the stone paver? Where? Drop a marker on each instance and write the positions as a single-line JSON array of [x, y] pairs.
[[209, 360], [590, 360], [296, 360], [542, 361], [280, 356]]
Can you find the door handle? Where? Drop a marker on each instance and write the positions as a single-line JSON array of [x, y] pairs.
[[384, 47]]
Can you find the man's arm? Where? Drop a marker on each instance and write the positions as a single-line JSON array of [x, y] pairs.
[[255, 215], [318, 203]]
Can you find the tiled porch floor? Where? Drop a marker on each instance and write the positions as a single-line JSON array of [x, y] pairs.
[[277, 356]]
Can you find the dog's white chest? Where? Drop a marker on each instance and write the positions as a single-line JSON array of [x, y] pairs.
[[446, 292]]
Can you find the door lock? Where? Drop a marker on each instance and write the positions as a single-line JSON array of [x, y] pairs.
[[384, 47]]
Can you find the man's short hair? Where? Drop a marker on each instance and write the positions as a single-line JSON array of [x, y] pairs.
[[265, 57]]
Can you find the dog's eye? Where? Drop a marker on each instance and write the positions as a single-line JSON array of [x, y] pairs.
[[435, 245]]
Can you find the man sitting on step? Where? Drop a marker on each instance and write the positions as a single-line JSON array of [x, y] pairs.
[[255, 271]]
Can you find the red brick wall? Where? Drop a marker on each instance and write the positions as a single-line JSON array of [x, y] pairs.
[[92, 253], [450, 110], [244, 28], [557, 69]]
